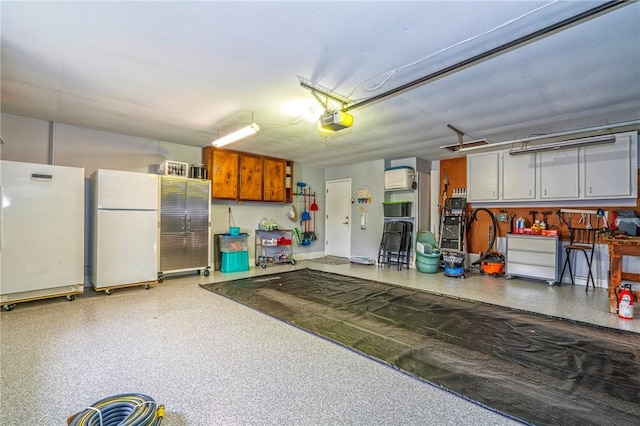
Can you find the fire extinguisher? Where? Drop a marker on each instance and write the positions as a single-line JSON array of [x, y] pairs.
[[624, 297]]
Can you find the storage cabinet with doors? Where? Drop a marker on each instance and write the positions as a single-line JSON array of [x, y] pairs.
[[518, 177], [559, 171], [533, 256], [482, 176], [274, 182], [185, 225], [251, 177], [248, 177], [609, 169], [606, 171], [222, 170]]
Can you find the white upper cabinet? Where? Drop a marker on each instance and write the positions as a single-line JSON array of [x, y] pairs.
[[559, 174], [606, 171], [617, 160], [482, 177], [518, 177]]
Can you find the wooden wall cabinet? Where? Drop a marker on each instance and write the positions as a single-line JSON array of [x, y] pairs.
[[248, 177], [222, 170], [251, 177], [274, 180]]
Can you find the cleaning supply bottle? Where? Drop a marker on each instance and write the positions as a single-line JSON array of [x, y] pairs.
[[625, 302]]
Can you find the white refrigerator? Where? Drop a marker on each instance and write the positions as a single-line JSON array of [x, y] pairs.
[[41, 232], [124, 229]]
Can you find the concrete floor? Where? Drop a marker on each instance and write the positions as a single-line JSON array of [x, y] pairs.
[[212, 361]]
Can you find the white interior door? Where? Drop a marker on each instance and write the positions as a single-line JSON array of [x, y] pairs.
[[338, 218]]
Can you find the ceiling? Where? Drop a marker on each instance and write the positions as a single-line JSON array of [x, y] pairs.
[[187, 72]]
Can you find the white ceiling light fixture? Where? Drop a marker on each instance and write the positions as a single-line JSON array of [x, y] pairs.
[[596, 140], [247, 131], [625, 126]]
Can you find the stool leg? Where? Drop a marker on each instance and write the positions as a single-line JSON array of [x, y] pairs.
[[564, 266], [589, 260], [570, 269]]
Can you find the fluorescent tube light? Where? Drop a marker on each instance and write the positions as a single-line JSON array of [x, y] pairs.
[[624, 126], [596, 140], [251, 129]]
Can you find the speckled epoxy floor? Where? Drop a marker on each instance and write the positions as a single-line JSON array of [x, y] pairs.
[[212, 361]]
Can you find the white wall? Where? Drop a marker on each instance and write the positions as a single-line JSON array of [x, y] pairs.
[[364, 242], [38, 141]]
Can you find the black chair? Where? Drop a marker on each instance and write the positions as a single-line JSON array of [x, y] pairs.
[[580, 240], [395, 245]]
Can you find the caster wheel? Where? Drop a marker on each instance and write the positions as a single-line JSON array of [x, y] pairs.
[[481, 272], [71, 297], [293, 262], [147, 286], [264, 266], [160, 278], [206, 272], [257, 263], [9, 307], [108, 292], [495, 274]]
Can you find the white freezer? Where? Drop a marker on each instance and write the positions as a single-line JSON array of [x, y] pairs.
[[125, 254], [124, 190], [41, 231], [124, 228]]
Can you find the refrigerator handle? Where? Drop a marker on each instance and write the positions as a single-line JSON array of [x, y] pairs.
[[184, 222], [1, 218], [188, 223]]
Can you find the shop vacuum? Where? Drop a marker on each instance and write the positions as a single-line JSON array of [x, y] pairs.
[[492, 264]]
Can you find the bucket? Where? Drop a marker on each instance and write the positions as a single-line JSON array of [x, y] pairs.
[[454, 264], [234, 230], [428, 263]]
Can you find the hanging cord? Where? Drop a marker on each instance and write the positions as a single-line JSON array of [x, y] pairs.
[[132, 409], [492, 240]]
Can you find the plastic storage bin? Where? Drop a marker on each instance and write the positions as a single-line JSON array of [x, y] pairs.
[[397, 208], [400, 177], [236, 261], [232, 243]]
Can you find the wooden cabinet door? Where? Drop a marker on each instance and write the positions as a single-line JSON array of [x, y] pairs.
[[274, 180], [222, 170], [251, 175]]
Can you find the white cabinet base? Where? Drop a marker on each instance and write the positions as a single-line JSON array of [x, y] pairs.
[[533, 256]]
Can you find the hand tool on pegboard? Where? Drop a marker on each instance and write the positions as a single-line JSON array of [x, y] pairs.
[[561, 219], [533, 214]]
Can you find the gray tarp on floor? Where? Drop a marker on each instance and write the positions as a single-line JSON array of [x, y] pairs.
[[539, 369]]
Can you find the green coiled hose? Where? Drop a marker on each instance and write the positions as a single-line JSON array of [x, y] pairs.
[[130, 409]]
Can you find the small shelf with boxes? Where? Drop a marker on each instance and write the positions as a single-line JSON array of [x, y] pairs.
[[274, 246]]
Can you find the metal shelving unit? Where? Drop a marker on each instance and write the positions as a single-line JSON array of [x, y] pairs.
[[274, 246]]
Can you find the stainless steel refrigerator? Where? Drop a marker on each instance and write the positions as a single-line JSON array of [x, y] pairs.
[[41, 232], [124, 229], [185, 225]]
